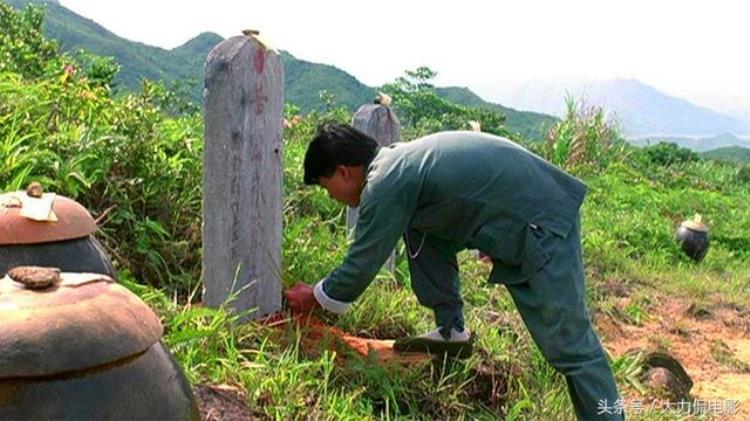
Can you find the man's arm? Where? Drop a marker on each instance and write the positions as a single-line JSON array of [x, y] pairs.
[[377, 231], [382, 220]]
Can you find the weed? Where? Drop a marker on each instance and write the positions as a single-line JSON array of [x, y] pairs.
[[724, 355]]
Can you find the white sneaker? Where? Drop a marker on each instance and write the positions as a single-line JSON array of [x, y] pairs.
[[459, 345], [456, 336]]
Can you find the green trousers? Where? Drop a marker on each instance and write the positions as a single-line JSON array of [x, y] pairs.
[[552, 304]]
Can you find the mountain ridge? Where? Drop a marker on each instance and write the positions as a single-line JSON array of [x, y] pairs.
[[641, 109], [698, 144], [304, 80]]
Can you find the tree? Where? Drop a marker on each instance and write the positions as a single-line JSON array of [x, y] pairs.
[[421, 110]]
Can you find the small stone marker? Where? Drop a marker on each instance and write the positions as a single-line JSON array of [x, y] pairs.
[[379, 122], [242, 176]]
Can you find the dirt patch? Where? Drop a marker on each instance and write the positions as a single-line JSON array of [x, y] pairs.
[[490, 384], [711, 342], [316, 336], [223, 403], [615, 288]]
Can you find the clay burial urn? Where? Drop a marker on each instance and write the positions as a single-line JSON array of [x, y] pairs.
[[80, 346], [693, 237]]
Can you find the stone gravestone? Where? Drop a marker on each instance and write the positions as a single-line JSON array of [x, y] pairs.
[[381, 123], [242, 176]]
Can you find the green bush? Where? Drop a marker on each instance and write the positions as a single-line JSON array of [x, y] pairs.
[[743, 174], [421, 111], [583, 138], [23, 47], [121, 157], [668, 154]]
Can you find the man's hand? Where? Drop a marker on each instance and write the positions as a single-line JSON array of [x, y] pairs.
[[300, 299]]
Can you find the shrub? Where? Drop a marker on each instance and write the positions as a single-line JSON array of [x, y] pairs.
[[23, 47], [743, 175], [583, 137], [667, 153], [422, 111]]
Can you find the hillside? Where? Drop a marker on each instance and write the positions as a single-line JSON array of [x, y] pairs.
[[137, 60], [730, 153], [304, 80], [529, 124], [698, 144]]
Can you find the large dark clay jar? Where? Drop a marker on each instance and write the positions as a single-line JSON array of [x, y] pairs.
[[693, 237], [81, 347]]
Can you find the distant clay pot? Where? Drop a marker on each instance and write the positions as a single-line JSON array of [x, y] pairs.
[[693, 237]]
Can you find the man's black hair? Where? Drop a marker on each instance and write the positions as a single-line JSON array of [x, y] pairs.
[[337, 144]]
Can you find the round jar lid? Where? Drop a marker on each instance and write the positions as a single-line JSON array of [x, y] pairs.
[[56, 322], [695, 224]]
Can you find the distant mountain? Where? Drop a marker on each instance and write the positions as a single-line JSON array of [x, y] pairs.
[[201, 44], [698, 144], [186, 63], [731, 154], [137, 60], [640, 109], [303, 80]]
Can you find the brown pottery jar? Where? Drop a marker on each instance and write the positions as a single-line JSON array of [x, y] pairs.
[[78, 346]]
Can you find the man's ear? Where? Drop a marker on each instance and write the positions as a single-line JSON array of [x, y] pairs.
[[344, 171]]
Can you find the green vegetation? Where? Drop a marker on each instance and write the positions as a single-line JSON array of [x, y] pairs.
[[183, 65], [421, 110], [523, 124], [584, 138], [134, 160], [669, 154], [124, 157], [703, 145], [730, 153], [304, 81]]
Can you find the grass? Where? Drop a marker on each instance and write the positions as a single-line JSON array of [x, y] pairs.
[[723, 355]]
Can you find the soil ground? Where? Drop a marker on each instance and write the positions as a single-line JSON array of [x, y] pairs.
[[223, 403], [712, 344]]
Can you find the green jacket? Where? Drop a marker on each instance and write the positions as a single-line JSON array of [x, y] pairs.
[[462, 190]]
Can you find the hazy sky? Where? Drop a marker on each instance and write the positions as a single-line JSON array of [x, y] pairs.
[[698, 50]]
